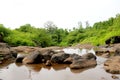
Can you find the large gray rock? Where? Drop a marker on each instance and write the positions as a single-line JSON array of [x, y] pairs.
[[59, 57], [19, 58], [89, 56], [71, 58], [4, 48], [5, 52], [87, 60], [82, 63], [47, 55], [34, 57]]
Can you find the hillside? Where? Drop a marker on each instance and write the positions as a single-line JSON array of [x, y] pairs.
[[51, 35]]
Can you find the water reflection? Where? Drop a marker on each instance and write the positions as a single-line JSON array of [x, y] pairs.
[[18, 71], [55, 67], [28, 72], [6, 63], [56, 72], [80, 70]]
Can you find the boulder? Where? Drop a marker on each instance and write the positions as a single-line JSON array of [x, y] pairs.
[[106, 55], [112, 65], [83, 63], [89, 56], [24, 49], [87, 60], [34, 57], [47, 55], [72, 57], [14, 53], [4, 48], [59, 57], [19, 58], [5, 52]]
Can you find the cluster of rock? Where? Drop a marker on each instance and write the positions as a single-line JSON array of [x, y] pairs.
[[6, 53], [50, 57], [107, 50]]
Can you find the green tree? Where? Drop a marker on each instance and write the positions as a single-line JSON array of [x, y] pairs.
[[42, 38], [4, 32]]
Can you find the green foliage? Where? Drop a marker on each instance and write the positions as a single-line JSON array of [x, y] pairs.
[[4, 32], [17, 38], [42, 38], [96, 35], [51, 35]]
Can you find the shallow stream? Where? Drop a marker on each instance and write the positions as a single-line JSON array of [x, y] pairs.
[[13, 71]]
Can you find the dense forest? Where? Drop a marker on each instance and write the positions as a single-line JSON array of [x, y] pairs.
[[51, 35]]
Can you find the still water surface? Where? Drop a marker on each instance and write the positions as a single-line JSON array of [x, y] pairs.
[[14, 71]]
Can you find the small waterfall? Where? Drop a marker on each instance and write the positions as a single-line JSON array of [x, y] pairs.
[[100, 60], [78, 51]]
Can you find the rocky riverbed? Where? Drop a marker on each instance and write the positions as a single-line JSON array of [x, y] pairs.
[[50, 56]]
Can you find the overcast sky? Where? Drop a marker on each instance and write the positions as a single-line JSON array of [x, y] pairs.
[[64, 13]]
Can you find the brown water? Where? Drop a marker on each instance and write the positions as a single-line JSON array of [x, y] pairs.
[[56, 72]]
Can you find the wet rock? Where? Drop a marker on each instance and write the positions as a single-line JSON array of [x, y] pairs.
[[87, 60], [5, 52], [115, 77], [106, 55], [89, 56], [112, 65], [24, 49], [4, 48], [48, 63], [19, 58], [103, 51], [47, 55], [69, 60], [14, 54], [59, 57], [83, 63], [72, 57], [34, 57]]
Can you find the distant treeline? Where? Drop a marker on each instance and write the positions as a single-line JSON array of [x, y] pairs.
[[51, 35]]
